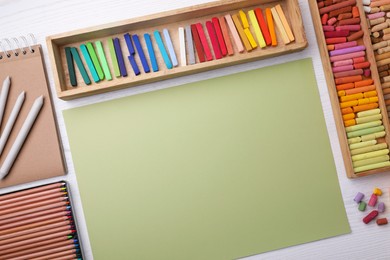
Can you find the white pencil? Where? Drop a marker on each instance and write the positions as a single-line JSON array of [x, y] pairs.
[[4, 96], [11, 120], [17, 145]]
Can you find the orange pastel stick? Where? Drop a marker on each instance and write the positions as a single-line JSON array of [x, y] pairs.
[[359, 89], [271, 26], [355, 12], [365, 107], [346, 110], [345, 86], [349, 122], [351, 103], [225, 33], [349, 79], [348, 116], [363, 83], [369, 94], [330, 47]]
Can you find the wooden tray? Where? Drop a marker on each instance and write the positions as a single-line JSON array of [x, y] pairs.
[[170, 20], [333, 92]]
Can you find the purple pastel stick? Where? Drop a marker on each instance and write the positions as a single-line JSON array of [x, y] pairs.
[[376, 15], [342, 63], [347, 50], [342, 68], [359, 196], [381, 207], [349, 27], [348, 56], [343, 45], [328, 28]]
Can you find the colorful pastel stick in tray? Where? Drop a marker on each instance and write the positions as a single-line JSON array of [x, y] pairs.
[[95, 60], [218, 31], [256, 28], [80, 65], [162, 49], [204, 42], [152, 55], [234, 33], [190, 45], [171, 50], [69, 61], [182, 45], [263, 26], [241, 32], [119, 56], [103, 60], [280, 26], [141, 53], [213, 39], [226, 37], [131, 58], [285, 23], [198, 44], [271, 26], [87, 58], [115, 64], [245, 25]]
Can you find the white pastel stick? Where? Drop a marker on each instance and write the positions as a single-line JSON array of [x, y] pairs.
[[169, 45], [22, 135], [190, 46], [11, 120], [183, 56], [4, 96]]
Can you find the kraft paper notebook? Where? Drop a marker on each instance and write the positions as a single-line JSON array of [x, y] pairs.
[[41, 155], [218, 169]]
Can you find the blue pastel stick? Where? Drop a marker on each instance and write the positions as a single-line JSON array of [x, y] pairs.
[[88, 59], [119, 57], [161, 46], [152, 55], [134, 64], [129, 44], [141, 53], [80, 65], [171, 50]]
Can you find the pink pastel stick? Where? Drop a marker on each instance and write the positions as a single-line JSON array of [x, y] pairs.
[[376, 15], [347, 56], [367, 72], [347, 50], [345, 45], [348, 73], [349, 27], [342, 68], [342, 63], [332, 20], [328, 28]]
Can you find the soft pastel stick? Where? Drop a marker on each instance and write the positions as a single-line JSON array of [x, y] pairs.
[[198, 44], [161, 47], [204, 42], [218, 31], [88, 59], [190, 46], [225, 33], [250, 38], [369, 112], [69, 62], [368, 149], [234, 33], [214, 40], [129, 43], [347, 56], [134, 65], [141, 53], [263, 26], [152, 55], [169, 45], [271, 26], [113, 58], [378, 159], [366, 131], [80, 65], [345, 45], [95, 60], [244, 19], [182, 45], [119, 57], [280, 26], [256, 28], [103, 60], [284, 22], [347, 50], [241, 32], [362, 144]]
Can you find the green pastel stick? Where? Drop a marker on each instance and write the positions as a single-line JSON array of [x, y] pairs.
[[363, 126], [69, 61], [80, 65], [368, 149], [354, 140], [369, 112], [371, 167], [369, 155], [362, 206], [103, 60], [366, 131], [373, 136], [95, 60], [362, 144], [366, 119], [113, 57], [382, 158]]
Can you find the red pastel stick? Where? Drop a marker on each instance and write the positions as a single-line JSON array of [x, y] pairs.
[[218, 31], [214, 40], [204, 42], [198, 45], [225, 33], [263, 26]]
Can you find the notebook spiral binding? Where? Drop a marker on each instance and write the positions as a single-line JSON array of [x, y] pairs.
[[10, 47]]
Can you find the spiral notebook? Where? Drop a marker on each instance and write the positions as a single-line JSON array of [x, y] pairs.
[[41, 155]]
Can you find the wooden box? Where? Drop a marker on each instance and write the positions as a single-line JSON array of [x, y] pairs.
[[333, 92], [170, 20]]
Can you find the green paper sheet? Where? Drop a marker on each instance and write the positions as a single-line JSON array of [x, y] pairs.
[[218, 169]]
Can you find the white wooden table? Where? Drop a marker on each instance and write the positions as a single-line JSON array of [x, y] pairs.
[[47, 17]]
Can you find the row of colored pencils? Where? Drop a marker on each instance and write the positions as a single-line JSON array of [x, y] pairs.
[[38, 224]]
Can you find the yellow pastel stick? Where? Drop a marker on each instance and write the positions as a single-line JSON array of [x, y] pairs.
[[279, 24], [284, 22], [256, 27], [365, 156], [351, 97], [378, 159], [369, 112], [354, 140], [250, 38], [368, 149], [241, 32], [371, 166], [244, 20], [373, 136], [362, 144], [366, 119]]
